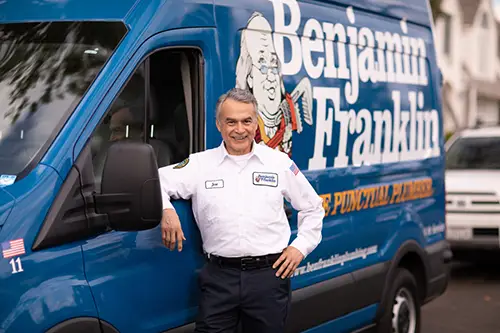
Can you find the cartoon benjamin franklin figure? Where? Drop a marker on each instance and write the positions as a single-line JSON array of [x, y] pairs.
[[258, 70]]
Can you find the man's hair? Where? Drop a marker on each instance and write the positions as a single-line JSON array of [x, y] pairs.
[[239, 95]]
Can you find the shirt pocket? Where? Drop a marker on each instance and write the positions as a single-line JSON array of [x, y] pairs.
[[269, 204], [214, 205]]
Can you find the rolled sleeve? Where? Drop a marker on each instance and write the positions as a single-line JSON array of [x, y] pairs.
[[166, 202], [308, 203]]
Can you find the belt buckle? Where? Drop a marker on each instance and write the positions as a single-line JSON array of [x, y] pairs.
[[247, 263]]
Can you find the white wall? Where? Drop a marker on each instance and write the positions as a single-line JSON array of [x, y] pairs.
[[468, 47], [447, 122], [459, 100], [484, 61], [450, 64], [487, 111]]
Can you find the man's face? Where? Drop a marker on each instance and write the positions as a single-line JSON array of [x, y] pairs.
[[238, 124], [265, 71]]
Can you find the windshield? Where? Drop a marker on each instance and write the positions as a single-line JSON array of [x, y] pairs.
[[474, 153], [45, 68]]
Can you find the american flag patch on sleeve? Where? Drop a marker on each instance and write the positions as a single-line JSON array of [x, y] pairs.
[[13, 248], [294, 168]]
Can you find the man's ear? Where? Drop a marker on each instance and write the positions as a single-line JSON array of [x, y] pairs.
[[217, 123]]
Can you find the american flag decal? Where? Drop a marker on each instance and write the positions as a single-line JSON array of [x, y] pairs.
[[294, 168], [13, 248]]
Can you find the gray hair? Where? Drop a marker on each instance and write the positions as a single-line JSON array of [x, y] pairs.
[[239, 95]]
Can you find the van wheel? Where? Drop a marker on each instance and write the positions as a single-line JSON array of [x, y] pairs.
[[402, 309]]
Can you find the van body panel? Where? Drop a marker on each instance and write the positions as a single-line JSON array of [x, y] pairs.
[[6, 204], [382, 184], [385, 232], [355, 320], [33, 297], [33, 196], [47, 299], [438, 274]]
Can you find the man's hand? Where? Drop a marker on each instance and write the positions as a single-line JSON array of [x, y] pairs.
[[289, 261], [171, 230]]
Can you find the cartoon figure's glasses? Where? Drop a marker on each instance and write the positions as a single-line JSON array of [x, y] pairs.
[[264, 69]]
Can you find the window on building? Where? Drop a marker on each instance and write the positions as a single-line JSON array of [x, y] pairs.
[[483, 47], [168, 81], [498, 113], [498, 43], [484, 21], [447, 34]]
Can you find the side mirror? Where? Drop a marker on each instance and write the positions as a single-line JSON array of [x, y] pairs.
[[130, 187]]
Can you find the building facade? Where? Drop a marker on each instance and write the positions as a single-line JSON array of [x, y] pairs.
[[467, 38]]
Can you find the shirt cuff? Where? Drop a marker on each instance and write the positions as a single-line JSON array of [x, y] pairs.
[[167, 204], [301, 244]]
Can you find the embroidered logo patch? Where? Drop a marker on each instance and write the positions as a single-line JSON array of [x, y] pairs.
[[182, 164], [265, 179], [210, 184]]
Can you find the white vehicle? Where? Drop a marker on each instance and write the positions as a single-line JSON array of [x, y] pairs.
[[473, 190]]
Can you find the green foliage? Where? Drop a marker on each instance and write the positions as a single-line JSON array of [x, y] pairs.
[[447, 136]]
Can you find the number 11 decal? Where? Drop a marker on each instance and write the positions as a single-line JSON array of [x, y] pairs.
[[19, 267]]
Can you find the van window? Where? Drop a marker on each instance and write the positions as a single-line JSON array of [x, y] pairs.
[[167, 81], [45, 68], [474, 153]]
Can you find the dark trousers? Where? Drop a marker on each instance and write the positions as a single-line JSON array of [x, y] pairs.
[[256, 300]]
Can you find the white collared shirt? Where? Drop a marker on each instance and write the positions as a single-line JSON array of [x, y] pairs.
[[239, 205]]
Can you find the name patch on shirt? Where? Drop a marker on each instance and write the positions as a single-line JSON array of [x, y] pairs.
[[265, 179], [210, 184]]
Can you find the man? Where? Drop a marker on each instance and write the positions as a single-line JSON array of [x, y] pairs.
[[237, 192]]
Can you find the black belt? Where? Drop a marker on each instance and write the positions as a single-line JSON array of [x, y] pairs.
[[245, 263]]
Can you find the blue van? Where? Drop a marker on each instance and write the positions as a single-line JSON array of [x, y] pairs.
[[95, 96]]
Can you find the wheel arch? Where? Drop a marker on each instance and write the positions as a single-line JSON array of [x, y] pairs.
[[412, 257], [83, 325]]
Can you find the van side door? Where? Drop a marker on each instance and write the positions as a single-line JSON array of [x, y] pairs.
[[160, 98]]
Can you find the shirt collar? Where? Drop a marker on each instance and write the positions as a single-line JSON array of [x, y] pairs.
[[256, 151]]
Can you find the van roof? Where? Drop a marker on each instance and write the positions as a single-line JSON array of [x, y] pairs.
[[117, 10], [65, 10]]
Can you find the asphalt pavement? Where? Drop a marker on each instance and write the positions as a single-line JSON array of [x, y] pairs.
[[471, 303]]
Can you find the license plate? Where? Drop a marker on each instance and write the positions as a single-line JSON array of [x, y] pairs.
[[459, 234]]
